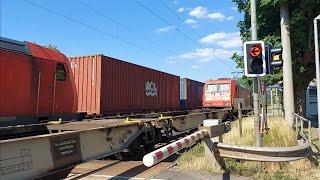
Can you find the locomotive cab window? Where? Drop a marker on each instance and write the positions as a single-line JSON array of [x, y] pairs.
[[212, 88], [60, 72], [224, 88]]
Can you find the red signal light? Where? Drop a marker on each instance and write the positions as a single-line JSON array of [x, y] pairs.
[[255, 50]]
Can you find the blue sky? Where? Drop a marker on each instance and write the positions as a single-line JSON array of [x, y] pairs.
[[194, 41]]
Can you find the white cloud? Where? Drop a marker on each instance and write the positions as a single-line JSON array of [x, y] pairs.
[[165, 29], [195, 67], [216, 15], [181, 9], [226, 40], [199, 12], [229, 18], [208, 54], [175, 2], [234, 8], [190, 22], [203, 13]]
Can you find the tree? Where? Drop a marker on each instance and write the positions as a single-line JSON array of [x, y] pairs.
[[302, 13], [53, 47]]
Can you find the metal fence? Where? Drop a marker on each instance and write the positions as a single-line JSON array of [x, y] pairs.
[[299, 126], [274, 102]]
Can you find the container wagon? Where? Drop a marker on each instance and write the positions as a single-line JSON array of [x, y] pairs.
[[106, 85], [35, 84], [190, 94], [226, 93]]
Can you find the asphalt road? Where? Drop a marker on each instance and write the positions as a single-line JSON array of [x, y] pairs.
[[176, 174]]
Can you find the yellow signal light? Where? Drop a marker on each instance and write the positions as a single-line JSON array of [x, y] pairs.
[[276, 57]]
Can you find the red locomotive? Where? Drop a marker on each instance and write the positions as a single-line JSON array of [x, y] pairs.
[[225, 93], [36, 84]]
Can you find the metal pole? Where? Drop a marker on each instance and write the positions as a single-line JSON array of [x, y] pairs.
[[316, 50], [255, 83], [254, 31], [255, 80]]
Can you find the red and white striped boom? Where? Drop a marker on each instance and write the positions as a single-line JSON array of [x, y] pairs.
[[164, 152]]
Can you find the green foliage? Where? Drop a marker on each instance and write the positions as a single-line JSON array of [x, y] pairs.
[[301, 13], [53, 47]]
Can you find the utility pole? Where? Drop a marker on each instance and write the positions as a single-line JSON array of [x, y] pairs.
[[255, 82], [288, 96], [317, 59]]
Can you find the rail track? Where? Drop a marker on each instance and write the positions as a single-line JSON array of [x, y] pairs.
[[130, 168], [100, 169]]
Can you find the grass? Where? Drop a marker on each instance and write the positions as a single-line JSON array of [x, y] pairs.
[[280, 135]]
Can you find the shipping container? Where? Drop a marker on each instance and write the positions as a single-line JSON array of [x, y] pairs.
[[107, 85], [190, 93]]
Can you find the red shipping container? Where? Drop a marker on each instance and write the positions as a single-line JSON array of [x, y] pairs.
[[106, 85], [190, 93]]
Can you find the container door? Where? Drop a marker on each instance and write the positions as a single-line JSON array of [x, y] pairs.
[[46, 89]]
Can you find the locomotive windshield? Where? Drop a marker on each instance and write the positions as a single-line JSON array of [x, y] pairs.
[[224, 88], [212, 88], [218, 87]]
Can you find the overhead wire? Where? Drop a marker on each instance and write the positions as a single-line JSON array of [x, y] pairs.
[[95, 29], [129, 29], [148, 9], [192, 29]]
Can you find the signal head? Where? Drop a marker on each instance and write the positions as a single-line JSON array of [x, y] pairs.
[[254, 59]]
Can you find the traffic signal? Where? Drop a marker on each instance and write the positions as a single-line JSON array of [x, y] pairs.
[[254, 59], [273, 58]]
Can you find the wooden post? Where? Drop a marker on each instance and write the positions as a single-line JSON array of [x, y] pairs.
[[272, 105], [240, 119]]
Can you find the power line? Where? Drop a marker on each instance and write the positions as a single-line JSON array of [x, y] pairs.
[[95, 29], [182, 33], [180, 19], [136, 32], [128, 28], [199, 36]]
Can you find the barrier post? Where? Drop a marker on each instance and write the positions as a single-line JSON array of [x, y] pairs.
[[210, 146]]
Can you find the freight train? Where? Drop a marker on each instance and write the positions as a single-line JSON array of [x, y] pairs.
[[226, 93], [39, 84]]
